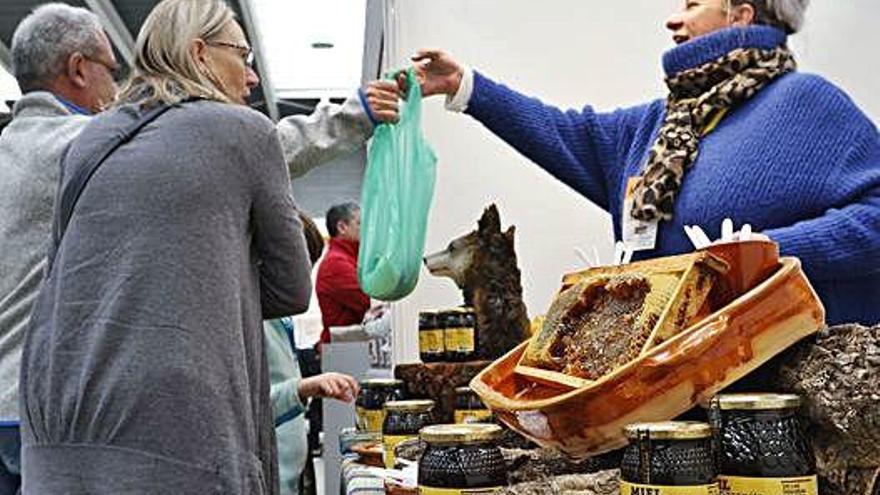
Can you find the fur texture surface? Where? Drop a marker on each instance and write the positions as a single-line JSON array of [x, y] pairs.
[[483, 265]]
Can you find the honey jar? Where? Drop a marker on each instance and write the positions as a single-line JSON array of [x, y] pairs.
[[469, 408], [668, 458], [370, 404], [459, 331], [432, 347], [403, 420], [762, 445], [461, 459]]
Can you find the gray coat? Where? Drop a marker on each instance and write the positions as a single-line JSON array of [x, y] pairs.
[[30, 153], [143, 370], [31, 149]]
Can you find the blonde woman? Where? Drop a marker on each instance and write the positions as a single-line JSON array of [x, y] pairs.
[[143, 368]]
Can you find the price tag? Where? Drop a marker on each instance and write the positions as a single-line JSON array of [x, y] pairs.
[[638, 235]]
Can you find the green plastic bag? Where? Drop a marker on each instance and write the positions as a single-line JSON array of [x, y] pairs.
[[395, 201]]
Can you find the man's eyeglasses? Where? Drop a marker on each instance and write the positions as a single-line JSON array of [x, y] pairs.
[[247, 52], [117, 71]]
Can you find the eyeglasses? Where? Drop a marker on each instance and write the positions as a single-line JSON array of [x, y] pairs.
[[247, 52], [117, 72]]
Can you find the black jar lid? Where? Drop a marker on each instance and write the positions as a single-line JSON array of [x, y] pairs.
[[413, 406], [460, 434], [756, 402], [381, 383], [668, 430]]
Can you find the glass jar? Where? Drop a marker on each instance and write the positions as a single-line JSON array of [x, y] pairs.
[[459, 331], [371, 401], [762, 446], [403, 420], [668, 457], [432, 347], [469, 408], [461, 459]]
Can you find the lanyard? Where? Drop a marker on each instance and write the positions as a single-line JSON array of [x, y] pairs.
[[287, 325], [713, 122]]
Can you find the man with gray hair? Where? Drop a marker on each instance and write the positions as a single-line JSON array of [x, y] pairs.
[[64, 66]]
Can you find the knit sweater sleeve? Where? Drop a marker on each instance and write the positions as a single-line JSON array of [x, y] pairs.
[[843, 242], [286, 402], [583, 149]]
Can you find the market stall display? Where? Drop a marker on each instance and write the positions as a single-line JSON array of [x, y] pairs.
[[664, 382], [738, 308]]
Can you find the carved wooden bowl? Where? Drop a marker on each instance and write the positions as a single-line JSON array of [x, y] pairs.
[[667, 380]]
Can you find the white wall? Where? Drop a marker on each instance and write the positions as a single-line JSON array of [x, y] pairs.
[[8, 89], [569, 53]]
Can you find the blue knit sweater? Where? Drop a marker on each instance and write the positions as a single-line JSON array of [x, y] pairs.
[[799, 161]]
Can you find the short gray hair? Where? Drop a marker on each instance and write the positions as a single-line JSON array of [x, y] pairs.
[[45, 39], [787, 15]]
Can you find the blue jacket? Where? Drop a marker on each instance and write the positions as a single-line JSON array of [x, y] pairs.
[[290, 423], [799, 161]]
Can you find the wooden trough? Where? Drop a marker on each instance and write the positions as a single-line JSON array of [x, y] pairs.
[[766, 305]]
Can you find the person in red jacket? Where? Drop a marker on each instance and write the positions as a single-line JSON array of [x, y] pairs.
[[340, 296]]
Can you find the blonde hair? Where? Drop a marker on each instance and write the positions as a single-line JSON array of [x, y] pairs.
[[164, 68]]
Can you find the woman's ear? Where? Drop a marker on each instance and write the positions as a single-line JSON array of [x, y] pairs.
[[198, 49], [742, 15]]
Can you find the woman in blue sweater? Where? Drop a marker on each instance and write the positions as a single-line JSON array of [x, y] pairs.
[[741, 134]]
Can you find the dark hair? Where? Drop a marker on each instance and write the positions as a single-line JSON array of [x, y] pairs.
[[314, 239], [341, 212], [5, 119]]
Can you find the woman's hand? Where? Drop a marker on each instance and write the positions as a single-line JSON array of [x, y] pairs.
[[329, 386], [382, 97], [437, 72]]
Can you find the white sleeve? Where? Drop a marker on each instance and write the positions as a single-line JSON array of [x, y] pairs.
[[330, 131], [459, 101]]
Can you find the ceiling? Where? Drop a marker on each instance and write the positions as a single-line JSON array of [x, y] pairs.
[[285, 38]]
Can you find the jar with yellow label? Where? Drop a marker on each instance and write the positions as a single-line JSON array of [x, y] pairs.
[[460, 337], [461, 460], [432, 346], [762, 446], [668, 458], [469, 408], [371, 401], [403, 420]]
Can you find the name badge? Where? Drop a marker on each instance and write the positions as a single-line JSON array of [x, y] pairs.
[[638, 235]]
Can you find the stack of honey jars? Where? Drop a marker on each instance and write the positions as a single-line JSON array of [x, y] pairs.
[[370, 404], [755, 445], [448, 335]]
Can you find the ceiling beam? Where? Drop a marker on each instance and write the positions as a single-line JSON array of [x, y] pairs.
[[373, 40], [5, 57], [251, 26], [115, 28]]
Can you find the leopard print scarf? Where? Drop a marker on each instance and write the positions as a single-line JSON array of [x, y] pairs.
[[696, 96]]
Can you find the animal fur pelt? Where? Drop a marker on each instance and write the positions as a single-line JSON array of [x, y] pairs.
[[483, 265]]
